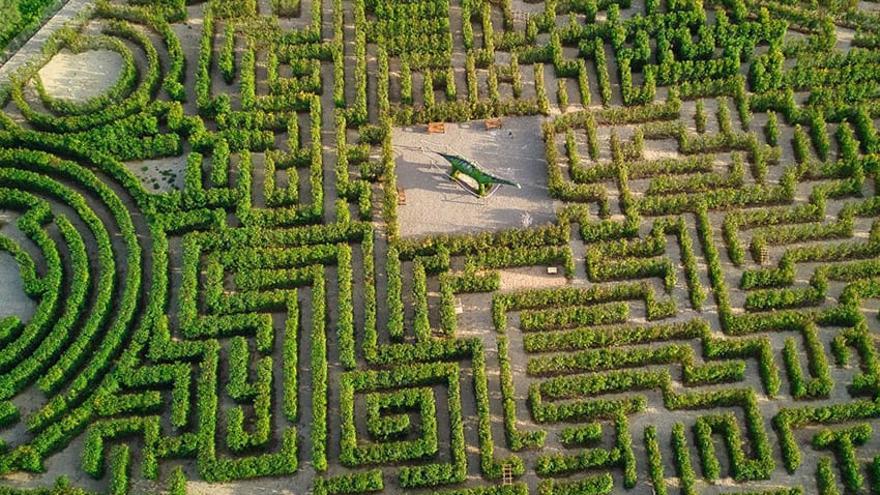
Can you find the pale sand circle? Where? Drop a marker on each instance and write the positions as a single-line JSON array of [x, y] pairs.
[[80, 77]]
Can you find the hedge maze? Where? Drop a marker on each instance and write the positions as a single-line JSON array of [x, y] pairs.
[[265, 328]]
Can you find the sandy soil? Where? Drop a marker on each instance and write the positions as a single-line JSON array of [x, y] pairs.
[[530, 277], [437, 205], [844, 38], [82, 76], [159, 175], [15, 301]]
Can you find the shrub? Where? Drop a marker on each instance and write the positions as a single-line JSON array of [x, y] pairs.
[[319, 373], [771, 130], [655, 461], [227, 53], [177, 482], [700, 117], [683, 459], [345, 308]]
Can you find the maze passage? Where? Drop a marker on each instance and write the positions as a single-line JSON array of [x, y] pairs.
[[442, 247]]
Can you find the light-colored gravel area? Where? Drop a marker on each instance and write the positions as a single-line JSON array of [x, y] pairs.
[[80, 77], [14, 300], [161, 174], [437, 205], [531, 277]]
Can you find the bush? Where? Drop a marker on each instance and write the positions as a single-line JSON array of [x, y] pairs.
[[771, 130], [539, 320], [367, 481], [345, 308], [227, 53], [655, 461], [591, 485], [700, 117], [516, 439], [683, 460], [421, 324], [825, 477], [844, 443], [21, 17], [561, 95], [319, 373], [394, 296], [177, 482]]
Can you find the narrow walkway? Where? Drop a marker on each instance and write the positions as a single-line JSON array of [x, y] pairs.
[[34, 45]]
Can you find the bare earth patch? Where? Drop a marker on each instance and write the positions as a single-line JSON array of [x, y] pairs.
[[161, 174], [437, 205], [14, 300], [530, 277], [82, 76]]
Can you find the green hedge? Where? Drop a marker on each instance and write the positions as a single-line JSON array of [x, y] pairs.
[[22, 17]]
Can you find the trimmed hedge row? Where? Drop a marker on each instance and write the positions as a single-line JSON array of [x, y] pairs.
[[682, 458], [843, 442], [115, 333], [407, 375]]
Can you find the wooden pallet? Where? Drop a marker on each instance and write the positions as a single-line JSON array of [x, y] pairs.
[[437, 128], [401, 196], [493, 123]]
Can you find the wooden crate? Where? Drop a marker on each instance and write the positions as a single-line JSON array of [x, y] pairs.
[[437, 128], [493, 123]]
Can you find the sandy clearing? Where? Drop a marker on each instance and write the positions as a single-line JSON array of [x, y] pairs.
[[82, 76], [436, 205]]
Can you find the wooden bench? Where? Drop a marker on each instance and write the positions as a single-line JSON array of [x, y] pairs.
[[437, 128], [493, 123], [401, 196]]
